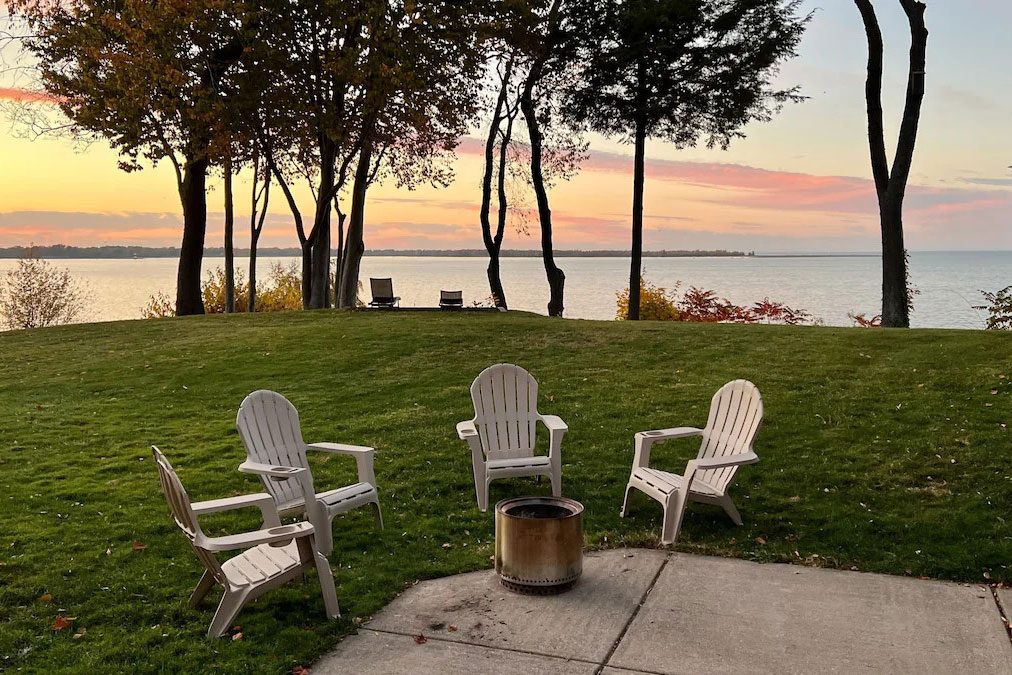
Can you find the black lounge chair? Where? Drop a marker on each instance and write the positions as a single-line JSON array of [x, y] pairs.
[[383, 293], [451, 299]]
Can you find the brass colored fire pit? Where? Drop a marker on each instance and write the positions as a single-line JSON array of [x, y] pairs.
[[538, 544]]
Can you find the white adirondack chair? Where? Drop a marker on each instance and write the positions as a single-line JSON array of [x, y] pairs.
[[501, 435], [269, 427], [271, 556], [736, 411]]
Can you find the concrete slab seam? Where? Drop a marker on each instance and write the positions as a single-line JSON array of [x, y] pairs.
[[1002, 613], [469, 644], [632, 617]]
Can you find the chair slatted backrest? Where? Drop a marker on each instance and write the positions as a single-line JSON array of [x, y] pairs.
[[268, 424], [451, 297], [179, 505], [382, 290], [505, 401], [736, 411]]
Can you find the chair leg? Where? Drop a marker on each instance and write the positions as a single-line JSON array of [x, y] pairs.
[[327, 586], [482, 490], [323, 529], [674, 510], [730, 510], [625, 501], [378, 514], [204, 586], [228, 608], [556, 483]]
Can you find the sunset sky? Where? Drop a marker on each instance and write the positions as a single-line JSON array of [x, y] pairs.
[[800, 183]]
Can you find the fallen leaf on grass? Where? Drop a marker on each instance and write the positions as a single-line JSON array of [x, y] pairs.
[[420, 639], [45, 597], [61, 622], [761, 540], [987, 575], [236, 637], [447, 545], [794, 500], [79, 634], [138, 546]]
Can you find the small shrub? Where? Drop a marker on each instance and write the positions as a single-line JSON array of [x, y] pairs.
[[704, 306], [282, 292], [159, 306], [656, 303], [35, 294], [999, 308], [864, 321]]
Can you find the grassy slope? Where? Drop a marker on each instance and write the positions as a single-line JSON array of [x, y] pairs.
[[881, 450]]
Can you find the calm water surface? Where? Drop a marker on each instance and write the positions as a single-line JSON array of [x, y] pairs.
[[829, 288]]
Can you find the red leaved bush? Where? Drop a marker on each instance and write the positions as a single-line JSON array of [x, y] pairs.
[[705, 306]]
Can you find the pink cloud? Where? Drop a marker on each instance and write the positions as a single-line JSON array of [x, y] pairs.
[[756, 188], [26, 96]]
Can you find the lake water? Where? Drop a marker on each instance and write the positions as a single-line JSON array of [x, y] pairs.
[[827, 287]]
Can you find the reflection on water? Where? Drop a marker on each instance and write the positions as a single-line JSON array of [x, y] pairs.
[[829, 288]]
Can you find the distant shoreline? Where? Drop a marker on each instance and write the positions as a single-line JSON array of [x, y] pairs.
[[61, 252], [139, 252]]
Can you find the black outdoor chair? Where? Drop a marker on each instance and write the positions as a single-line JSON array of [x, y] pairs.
[[383, 293], [451, 299]]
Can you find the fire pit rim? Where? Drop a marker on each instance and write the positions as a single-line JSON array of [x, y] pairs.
[[574, 507]]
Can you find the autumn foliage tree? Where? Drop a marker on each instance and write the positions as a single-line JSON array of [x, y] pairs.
[[141, 76]]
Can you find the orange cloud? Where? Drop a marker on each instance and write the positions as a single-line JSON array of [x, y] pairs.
[[26, 96]]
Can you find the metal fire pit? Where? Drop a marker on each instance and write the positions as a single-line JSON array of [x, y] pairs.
[[538, 544]]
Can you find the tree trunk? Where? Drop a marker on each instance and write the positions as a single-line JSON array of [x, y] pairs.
[[254, 235], [556, 277], [894, 267], [320, 270], [307, 273], [339, 262], [256, 227], [193, 197], [636, 253], [493, 244], [890, 184], [229, 250], [354, 246]]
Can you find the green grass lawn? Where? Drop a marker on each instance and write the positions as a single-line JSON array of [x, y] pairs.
[[882, 450]]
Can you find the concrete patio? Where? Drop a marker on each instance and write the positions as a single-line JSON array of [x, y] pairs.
[[645, 611]]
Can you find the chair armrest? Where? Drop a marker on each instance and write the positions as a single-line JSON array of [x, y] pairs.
[[660, 435], [644, 440], [554, 423], [721, 462], [275, 472], [246, 540], [262, 500], [282, 473], [341, 448], [362, 454], [466, 429]]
